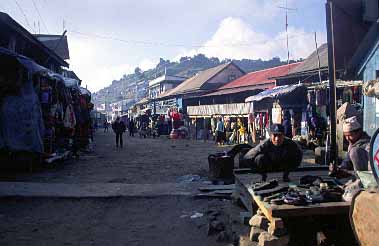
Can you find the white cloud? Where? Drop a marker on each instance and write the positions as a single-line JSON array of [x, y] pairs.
[[147, 64], [92, 62], [234, 38]]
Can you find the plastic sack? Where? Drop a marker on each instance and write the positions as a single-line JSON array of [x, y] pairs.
[[367, 178]]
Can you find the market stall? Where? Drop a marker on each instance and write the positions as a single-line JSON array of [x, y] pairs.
[[270, 106], [312, 200], [44, 116]]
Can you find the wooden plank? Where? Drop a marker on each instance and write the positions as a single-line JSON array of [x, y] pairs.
[[212, 195], [242, 170], [223, 192], [244, 195], [217, 187], [265, 208], [281, 211]]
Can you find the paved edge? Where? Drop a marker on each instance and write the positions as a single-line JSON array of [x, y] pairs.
[[95, 190]]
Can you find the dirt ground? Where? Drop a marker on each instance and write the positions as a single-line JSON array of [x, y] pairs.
[[141, 161], [115, 221], [158, 220]]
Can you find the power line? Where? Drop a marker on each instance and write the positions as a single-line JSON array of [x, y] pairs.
[[154, 43], [39, 14], [23, 13]]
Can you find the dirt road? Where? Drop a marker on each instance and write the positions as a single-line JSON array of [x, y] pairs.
[[156, 219]]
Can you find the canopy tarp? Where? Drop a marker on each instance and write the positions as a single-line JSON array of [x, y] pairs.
[[287, 96], [277, 92], [27, 63], [69, 82], [84, 91]]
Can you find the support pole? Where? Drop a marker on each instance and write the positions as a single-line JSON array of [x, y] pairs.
[[332, 85]]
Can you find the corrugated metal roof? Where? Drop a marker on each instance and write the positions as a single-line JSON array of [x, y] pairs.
[[311, 63], [261, 77], [240, 89], [54, 43], [196, 82]]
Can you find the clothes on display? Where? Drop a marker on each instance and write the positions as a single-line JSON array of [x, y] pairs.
[[49, 112]]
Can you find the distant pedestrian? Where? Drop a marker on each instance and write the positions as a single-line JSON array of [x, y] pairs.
[[119, 128], [287, 125], [220, 131], [131, 127], [105, 126]]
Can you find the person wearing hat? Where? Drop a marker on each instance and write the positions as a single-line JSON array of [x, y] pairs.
[[276, 154], [357, 158]]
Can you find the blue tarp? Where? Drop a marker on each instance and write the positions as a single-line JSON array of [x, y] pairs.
[[29, 64], [21, 121]]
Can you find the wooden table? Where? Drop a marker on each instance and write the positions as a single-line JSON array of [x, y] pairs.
[[277, 213]]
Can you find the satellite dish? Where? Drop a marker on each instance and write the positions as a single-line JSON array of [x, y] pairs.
[[374, 155]]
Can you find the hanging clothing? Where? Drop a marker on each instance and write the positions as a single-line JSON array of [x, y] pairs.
[[311, 97], [69, 117], [320, 97]]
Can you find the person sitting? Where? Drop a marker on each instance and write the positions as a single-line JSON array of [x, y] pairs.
[[357, 158], [276, 154]]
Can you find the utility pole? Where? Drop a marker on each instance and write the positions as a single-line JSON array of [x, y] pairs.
[[318, 59], [332, 85], [287, 9]]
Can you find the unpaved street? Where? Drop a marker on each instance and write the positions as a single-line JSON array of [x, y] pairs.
[[141, 161], [156, 214]]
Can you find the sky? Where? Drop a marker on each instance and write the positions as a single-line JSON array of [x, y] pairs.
[[108, 39]]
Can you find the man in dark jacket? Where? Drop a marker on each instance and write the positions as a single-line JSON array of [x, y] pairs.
[[276, 154], [131, 127], [119, 128]]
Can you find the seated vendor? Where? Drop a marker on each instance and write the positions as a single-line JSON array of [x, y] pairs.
[[357, 158], [276, 154]]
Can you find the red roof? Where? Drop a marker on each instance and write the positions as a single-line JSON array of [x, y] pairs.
[[261, 77]]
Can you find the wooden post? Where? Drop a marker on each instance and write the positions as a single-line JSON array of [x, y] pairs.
[[332, 86]]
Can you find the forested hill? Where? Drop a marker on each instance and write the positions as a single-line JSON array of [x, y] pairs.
[[186, 67]]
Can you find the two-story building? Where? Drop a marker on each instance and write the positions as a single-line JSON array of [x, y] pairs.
[[159, 86], [207, 81], [16, 38]]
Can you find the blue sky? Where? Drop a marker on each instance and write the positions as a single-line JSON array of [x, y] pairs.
[[110, 38]]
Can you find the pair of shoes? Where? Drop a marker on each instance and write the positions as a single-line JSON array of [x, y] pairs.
[[277, 201], [296, 199], [273, 197], [266, 185]]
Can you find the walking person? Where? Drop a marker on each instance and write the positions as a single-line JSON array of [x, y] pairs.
[[131, 127], [119, 128], [105, 126]]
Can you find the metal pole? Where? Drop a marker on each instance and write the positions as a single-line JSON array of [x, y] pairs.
[[318, 59], [332, 86]]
